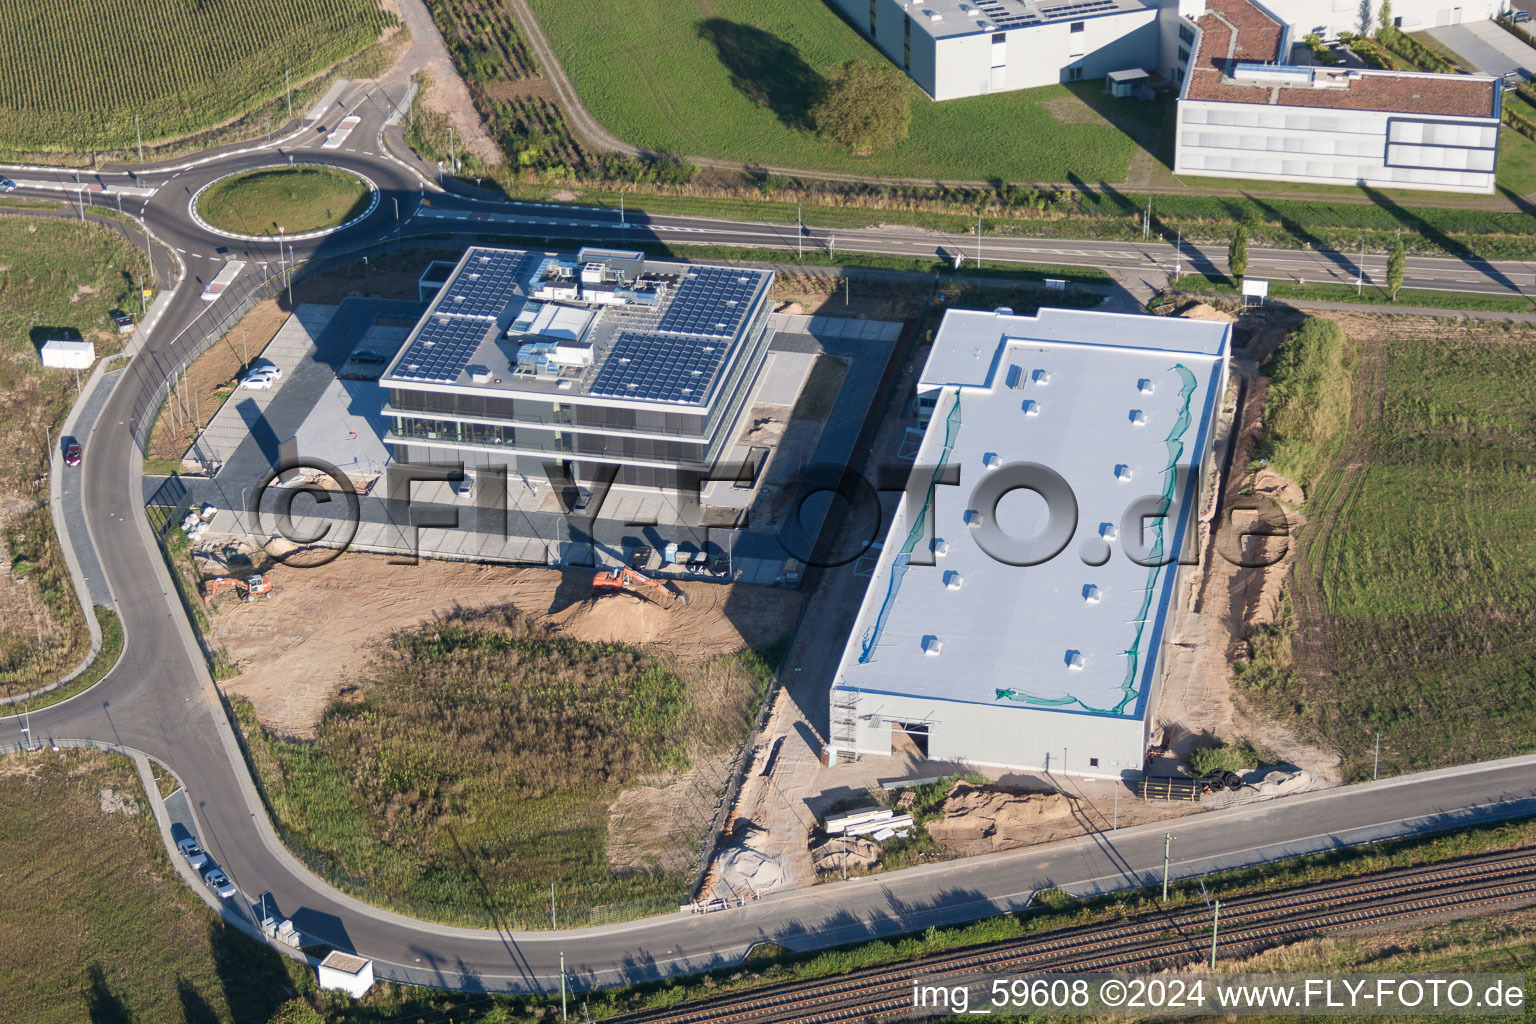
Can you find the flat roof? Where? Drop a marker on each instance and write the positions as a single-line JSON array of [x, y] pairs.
[[1114, 403], [1237, 32], [344, 962], [942, 19], [659, 338]]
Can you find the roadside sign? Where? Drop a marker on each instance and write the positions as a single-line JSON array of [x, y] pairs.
[[1255, 289]]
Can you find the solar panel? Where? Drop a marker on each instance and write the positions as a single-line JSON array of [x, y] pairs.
[[443, 347], [659, 368], [711, 301], [489, 281]]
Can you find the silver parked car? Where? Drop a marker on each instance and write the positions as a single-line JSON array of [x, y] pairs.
[[219, 882], [194, 853]]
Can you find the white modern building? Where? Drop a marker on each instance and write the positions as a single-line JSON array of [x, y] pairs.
[[956, 48], [967, 646], [1245, 113]]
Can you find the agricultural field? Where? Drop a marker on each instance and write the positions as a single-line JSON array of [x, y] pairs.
[[58, 279], [1415, 601], [74, 74], [738, 83], [100, 927], [478, 759]]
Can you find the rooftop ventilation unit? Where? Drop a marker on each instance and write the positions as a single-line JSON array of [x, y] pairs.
[[932, 645], [1075, 660], [479, 375], [1091, 593], [1145, 386], [1031, 407], [991, 460], [1109, 531], [1123, 473], [940, 547], [1138, 418], [933, 15], [1041, 377], [1016, 378], [973, 518], [953, 579]]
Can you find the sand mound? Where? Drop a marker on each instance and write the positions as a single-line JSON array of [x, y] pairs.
[[1204, 311], [991, 818], [837, 854], [743, 869], [1271, 484]]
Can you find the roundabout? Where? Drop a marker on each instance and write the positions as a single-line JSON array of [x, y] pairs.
[[293, 201]]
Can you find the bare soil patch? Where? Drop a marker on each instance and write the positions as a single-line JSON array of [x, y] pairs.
[[527, 88], [323, 624], [825, 293]]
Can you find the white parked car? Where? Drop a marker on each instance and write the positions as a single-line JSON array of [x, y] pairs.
[[194, 853], [258, 382], [262, 366], [219, 882]]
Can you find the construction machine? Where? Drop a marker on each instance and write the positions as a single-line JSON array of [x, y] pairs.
[[249, 588], [625, 578]]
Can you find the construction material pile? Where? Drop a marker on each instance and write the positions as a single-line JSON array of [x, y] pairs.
[[981, 818]]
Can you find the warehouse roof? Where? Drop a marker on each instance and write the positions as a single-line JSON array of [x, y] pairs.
[[1239, 35], [944, 18], [1113, 403]]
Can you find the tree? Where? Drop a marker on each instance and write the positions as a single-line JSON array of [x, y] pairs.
[[1387, 28], [1397, 264], [296, 1011], [864, 107], [1237, 253], [1365, 17]]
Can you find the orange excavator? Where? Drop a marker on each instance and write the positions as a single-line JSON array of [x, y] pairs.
[[249, 588], [624, 578]]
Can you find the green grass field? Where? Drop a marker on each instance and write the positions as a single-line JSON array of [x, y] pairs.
[[290, 199], [58, 279], [737, 83], [1425, 576], [94, 923], [477, 762], [75, 73], [1371, 294]]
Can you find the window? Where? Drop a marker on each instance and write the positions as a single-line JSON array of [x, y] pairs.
[[999, 37], [872, 16], [1093, 762], [1183, 55], [1077, 26], [906, 43], [1186, 34], [1074, 74]]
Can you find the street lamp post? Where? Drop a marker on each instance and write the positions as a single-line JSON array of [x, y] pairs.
[[1167, 847]]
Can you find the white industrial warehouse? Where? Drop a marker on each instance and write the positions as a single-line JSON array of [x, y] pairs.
[[956, 48], [1245, 110], [956, 655]]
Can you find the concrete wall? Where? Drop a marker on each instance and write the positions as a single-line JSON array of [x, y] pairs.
[[1004, 735], [1337, 147]]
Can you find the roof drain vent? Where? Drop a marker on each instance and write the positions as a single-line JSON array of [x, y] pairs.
[[953, 579], [1091, 593], [991, 460], [1138, 418], [1123, 473], [932, 645], [1031, 407], [1145, 386], [1075, 660], [1042, 377]]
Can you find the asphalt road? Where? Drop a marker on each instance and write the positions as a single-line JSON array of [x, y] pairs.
[[159, 699]]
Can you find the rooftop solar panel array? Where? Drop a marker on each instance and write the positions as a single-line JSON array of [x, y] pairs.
[[1078, 9], [443, 347], [711, 301], [659, 368], [489, 280]]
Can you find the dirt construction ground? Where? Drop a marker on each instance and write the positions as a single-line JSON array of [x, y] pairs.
[[322, 624]]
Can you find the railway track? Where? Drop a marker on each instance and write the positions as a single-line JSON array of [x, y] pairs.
[[1149, 942]]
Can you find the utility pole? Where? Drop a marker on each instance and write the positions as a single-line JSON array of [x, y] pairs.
[[453, 152], [397, 219], [288, 90], [621, 205], [1167, 846], [1178, 256], [1116, 823], [1215, 925], [1360, 269], [799, 232], [1376, 768], [978, 241], [562, 984], [139, 135], [552, 924]]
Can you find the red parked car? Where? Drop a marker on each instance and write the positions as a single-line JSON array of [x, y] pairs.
[[73, 454]]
